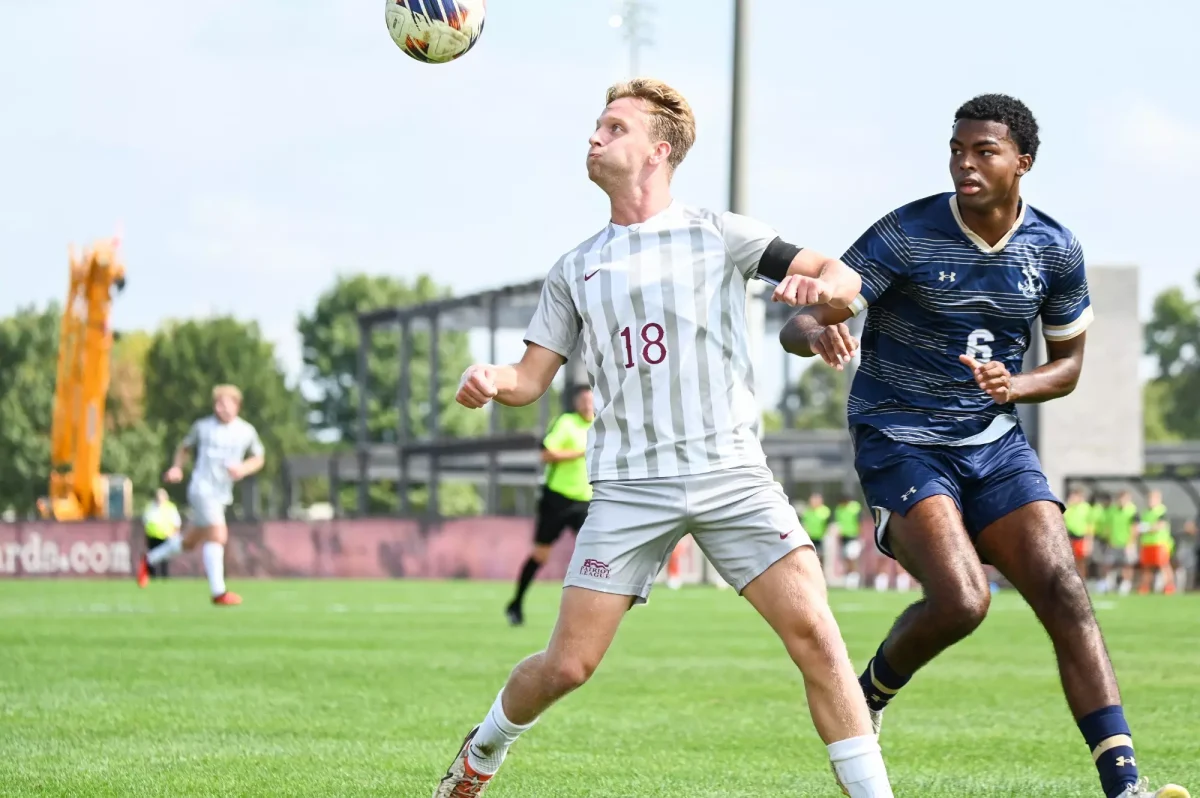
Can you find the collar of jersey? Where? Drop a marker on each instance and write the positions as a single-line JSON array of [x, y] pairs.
[[974, 238], [633, 228]]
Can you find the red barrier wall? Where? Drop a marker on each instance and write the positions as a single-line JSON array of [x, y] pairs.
[[468, 548]]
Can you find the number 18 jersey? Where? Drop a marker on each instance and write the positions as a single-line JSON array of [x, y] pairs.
[[935, 290], [659, 312]]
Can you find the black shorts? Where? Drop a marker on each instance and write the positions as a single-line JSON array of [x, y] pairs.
[[554, 514]]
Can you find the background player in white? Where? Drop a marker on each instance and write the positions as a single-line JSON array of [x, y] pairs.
[[222, 442], [657, 301]]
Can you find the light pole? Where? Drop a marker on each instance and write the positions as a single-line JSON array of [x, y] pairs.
[[632, 19]]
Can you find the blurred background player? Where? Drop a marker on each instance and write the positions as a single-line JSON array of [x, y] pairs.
[[815, 520], [1122, 540], [160, 520], [1101, 532], [565, 494], [657, 300], [1155, 546], [954, 283], [846, 517], [222, 442], [1078, 520]]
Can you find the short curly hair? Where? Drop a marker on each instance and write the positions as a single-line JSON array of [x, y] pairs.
[[1009, 111]]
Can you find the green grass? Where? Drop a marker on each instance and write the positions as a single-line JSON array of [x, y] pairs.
[[365, 688]]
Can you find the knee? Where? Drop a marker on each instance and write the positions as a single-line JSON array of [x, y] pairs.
[[959, 612], [567, 672], [1062, 600]]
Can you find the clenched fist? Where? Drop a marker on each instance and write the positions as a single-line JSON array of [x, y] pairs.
[[992, 377], [834, 344], [797, 290], [477, 387]]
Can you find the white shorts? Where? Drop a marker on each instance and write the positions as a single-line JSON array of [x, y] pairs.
[[739, 517], [205, 512]]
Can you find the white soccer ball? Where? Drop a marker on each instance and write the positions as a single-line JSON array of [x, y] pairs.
[[435, 31]]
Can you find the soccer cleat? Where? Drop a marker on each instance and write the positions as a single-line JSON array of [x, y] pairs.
[[514, 615], [143, 572], [461, 780], [1142, 790], [227, 599]]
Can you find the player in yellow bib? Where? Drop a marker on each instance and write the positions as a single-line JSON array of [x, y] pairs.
[[565, 495], [1078, 520], [847, 518], [1154, 539], [1121, 538]]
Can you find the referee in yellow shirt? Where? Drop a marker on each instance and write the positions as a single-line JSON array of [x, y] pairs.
[[565, 496]]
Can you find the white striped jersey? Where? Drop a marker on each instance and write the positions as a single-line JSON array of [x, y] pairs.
[[936, 290], [219, 446], [659, 311]]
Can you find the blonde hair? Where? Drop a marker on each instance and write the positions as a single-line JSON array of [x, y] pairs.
[[231, 391], [671, 118]]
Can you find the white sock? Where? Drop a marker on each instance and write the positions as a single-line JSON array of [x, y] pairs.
[[214, 566], [852, 580], [859, 765], [495, 736], [165, 550]]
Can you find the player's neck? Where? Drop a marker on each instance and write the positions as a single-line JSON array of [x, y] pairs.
[[992, 224], [638, 203]]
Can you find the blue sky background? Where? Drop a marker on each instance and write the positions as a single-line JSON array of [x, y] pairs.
[[253, 150]]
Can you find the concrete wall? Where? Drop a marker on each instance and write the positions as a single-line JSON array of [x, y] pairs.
[[1097, 430]]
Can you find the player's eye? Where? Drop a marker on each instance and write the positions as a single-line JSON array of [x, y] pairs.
[[616, 128]]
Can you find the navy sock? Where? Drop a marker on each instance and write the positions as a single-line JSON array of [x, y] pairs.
[[528, 572], [1109, 739], [880, 682]]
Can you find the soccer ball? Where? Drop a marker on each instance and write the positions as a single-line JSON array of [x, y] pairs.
[[435, 31]]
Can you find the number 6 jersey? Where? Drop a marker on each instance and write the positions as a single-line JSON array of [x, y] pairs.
[[936, 290], [659, 311]]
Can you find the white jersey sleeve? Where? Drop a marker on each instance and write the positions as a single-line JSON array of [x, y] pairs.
[[556, 323], [746, 239]]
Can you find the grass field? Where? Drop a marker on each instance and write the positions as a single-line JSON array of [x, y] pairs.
[[365, 688]]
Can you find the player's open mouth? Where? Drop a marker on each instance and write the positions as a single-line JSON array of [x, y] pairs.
[[970, 186]]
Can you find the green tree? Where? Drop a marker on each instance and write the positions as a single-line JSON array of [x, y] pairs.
[[818, 398], [28, 364], [186, 359], [1173, 340], [330, 336]]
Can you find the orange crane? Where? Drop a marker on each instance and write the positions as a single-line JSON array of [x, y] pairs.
[[77, 490]]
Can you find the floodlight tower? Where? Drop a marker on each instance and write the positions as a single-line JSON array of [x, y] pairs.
[[632, 18]]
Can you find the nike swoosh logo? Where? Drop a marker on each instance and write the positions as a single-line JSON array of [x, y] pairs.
[[785, 537], [587, 277]]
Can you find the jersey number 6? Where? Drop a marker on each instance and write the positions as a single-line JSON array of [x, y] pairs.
[[977, 345], [654, 350]]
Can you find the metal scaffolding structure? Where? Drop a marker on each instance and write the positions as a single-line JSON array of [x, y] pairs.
[[510, 459]]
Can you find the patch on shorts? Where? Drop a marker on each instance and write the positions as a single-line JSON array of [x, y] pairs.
[[595, 569]]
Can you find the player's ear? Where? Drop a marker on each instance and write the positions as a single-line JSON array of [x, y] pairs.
[[662, 151], [1024, 164]]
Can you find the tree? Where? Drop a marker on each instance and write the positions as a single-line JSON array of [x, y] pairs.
[[1173, 340], [186, 359], [818, 398], [330, 347], [28, 364], [330, 338]]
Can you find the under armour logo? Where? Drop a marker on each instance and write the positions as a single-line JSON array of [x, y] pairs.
[[908, 494], [1124, 761], [943, 276]]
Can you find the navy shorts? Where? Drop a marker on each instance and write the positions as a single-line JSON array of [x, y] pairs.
[[987, 481]]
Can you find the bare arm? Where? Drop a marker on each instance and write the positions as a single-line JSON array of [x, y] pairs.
[[517, 385], [820, 330], [1056, 378], [252, 465]]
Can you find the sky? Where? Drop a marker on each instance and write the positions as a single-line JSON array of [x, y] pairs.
[[250, 152]]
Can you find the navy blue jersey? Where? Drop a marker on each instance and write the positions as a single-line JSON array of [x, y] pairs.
[[935, 290]]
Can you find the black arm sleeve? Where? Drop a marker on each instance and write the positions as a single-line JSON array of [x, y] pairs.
[[776, 258]]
